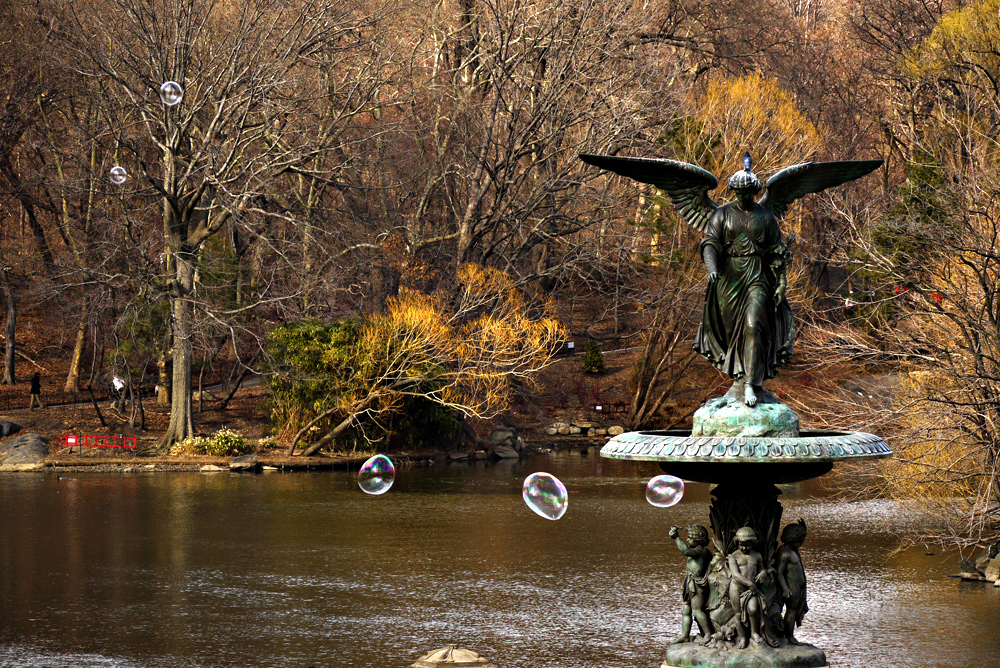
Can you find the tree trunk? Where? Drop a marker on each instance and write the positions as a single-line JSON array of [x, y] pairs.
[[29, 210], [239, 249], [97, 408], [239, 382], [73, 377], [9, 377], [93, 358], [329, 437], [201, 391], [352, 412], [137, 414], [162, 379], [181, 422]]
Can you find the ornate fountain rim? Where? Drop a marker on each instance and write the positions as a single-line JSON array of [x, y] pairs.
[[809, 447]]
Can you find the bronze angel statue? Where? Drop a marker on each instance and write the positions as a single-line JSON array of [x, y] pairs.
[[746, 330]]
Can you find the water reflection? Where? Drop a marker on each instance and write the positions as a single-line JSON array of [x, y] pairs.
[[304, 569]]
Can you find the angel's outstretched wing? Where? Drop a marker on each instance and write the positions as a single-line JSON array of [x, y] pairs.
[[686, 185], [793, 182]]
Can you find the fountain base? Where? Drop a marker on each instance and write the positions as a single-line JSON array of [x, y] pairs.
[[749, 583], [693, 655]]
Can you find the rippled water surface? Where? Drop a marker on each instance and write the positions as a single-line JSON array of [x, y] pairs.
[[298, 570]]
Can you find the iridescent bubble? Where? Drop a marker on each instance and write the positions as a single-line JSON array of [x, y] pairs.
[[664, 491], [171, 93], [118, 175], [545, 495], [377, 475]]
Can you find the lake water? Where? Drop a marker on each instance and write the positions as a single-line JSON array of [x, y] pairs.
[[299, 570]]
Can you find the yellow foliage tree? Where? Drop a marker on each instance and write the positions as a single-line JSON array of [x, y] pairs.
[[754, 113], [731, 116], [955, 71], [940, 242], [465, 349]]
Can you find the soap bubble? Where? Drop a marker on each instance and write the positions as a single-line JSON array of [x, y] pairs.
[[118, 175], [664, 491], [171, 93], [545, 495], [377, 475]]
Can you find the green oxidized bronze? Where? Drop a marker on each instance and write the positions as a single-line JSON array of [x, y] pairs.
[[746, 330], [748, 595]]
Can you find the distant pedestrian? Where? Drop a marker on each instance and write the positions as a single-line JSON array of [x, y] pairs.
[[121, 391], [36, 391]]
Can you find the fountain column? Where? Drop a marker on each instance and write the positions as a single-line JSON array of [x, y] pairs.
[[745, 470]]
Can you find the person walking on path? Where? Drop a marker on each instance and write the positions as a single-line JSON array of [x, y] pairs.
[[122, 392], [36, 391], [117, 385]]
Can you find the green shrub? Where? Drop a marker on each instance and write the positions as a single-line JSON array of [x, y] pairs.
[[593, 358], [225, 443], [314, 367], [228, 443], [267, 443], [421, 423]]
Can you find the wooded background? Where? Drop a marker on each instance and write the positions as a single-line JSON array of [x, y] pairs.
[[331, 158]]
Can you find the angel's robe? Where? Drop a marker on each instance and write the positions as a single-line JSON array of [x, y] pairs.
[[743, 333]]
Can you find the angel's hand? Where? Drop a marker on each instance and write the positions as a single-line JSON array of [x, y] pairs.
[[713, 276], [779, 296]]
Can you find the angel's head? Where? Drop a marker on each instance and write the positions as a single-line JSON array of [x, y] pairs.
[[745, 181]]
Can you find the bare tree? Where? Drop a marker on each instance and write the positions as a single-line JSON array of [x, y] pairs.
[[21, 79], [260, 99], [933, 253], [483, 158]]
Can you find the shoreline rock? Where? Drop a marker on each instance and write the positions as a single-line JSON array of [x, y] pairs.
[[26, 452]]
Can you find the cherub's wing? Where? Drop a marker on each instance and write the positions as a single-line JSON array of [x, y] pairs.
[[686, 185], [793, 182]]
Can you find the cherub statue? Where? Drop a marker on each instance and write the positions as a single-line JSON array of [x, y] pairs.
[[746, 569], [792, 578], [695, 592], [746, 330]]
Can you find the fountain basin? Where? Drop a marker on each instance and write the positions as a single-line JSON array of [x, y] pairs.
[[718, 459]]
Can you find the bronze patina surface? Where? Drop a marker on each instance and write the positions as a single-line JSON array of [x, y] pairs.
[[745, 591], [808, 448], [747, 331]]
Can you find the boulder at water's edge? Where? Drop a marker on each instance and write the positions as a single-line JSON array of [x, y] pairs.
[[26, 452]]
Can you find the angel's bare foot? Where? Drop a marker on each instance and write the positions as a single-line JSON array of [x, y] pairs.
[[757, 639], [743, 642], [680, 639], [749, 396], [792, 640]]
